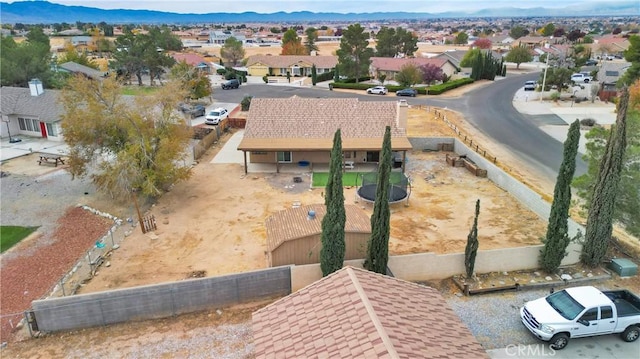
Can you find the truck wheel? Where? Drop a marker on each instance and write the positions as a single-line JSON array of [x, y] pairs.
[[631, 334], [559, 341]]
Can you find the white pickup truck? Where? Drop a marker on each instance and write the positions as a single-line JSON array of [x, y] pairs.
[[581, 78], [582, 312]]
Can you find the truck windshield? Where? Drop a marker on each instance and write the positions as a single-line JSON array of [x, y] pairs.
[[565, 305]]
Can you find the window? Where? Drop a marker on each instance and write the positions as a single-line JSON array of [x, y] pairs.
[[284, 156], [347, 155], [22, 125], [591, 314], [52, 129], [606, 312], [29, 124]]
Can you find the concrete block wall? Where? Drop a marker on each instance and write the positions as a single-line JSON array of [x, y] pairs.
[[161, 300], [429, 143]]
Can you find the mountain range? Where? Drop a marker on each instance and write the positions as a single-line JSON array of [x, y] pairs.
[[43, 12]]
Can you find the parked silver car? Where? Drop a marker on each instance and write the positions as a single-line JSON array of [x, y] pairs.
[[378, 90]]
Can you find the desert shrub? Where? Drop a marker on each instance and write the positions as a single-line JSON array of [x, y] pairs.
[[588, 122]]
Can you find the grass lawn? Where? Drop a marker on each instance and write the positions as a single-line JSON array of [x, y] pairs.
[[348, 178], [10, 235], [135, 90]]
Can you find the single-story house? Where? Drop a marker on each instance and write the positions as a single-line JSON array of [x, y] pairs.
[[608, 76], [296, 65], [221, 36], [293, 235], [31, 112], [354, 313], [390, 66], [296, 129], [194, 60], [75, 68]]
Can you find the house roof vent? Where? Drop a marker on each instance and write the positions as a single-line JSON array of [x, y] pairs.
[[311, 215]]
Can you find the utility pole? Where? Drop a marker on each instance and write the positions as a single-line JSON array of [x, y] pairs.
[[547, 46]]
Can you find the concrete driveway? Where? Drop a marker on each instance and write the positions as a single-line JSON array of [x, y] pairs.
[[29, 145], [229, 152]]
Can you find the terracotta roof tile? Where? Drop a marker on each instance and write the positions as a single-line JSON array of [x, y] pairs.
[[309, 123], [383, 317]]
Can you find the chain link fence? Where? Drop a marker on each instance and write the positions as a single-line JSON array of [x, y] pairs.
[[85, 268]]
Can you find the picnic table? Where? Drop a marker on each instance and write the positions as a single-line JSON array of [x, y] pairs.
[[50, 158]]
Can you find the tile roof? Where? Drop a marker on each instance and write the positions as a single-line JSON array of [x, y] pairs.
[[189, 58], [17, 101], [354, 313], [293, 223], [298, 123], [610, 71], [323, 62], [74, 67], [395, 64]]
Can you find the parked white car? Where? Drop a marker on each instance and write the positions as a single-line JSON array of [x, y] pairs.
[[378, 90], [216, 116]]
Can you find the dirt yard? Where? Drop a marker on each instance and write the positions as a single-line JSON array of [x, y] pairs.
[[214, 223]]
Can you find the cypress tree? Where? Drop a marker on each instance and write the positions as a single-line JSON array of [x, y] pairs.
[[333, 245], [557, 237], [378, 246], [472, 244], [600, 216], [314, 75]]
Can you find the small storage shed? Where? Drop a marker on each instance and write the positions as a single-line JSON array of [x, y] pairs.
[[293, 235]]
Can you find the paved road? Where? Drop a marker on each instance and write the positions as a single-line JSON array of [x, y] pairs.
[[517, 132]]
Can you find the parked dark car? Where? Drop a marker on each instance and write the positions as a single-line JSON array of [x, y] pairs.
[[591, 62], [407, 92], [231, 84], [193, 110]]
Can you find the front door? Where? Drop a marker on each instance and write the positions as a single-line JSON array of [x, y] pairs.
[[43, 129]]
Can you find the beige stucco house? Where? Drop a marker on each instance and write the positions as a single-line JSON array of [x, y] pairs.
[[296, 129], [261, 65], [391, 66]]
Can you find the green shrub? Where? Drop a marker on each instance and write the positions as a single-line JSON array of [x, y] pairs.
[[265, 78], [450, 85], [326, 76], [221, 71], [246, 103]]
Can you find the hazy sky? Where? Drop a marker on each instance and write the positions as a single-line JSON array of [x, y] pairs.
[[344, 6]]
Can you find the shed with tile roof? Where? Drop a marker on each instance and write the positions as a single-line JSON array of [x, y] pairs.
[[293, 235], [354, 313], [296, 129]]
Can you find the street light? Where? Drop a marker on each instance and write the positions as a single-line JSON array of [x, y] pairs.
[[547, 46]]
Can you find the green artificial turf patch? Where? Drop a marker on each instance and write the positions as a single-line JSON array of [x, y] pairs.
[[10, 235]]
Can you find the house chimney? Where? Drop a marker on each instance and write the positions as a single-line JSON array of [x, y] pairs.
[[313, 53], [402, 114], [35, 86]]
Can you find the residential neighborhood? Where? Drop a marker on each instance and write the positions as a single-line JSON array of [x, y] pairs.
[[262, 189]]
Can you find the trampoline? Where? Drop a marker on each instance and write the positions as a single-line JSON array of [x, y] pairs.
[[399, 187]]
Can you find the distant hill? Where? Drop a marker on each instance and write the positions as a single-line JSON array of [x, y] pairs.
[[43, 12]]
